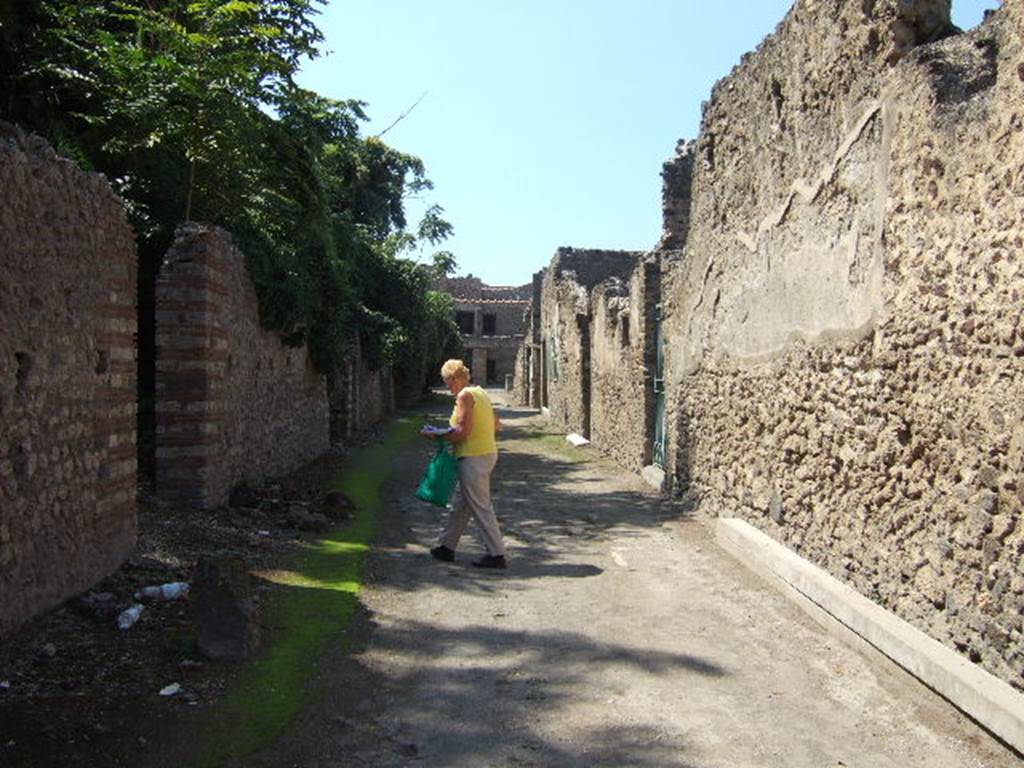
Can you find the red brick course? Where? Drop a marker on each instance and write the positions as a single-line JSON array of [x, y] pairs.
[[67, 380], [207, 439]]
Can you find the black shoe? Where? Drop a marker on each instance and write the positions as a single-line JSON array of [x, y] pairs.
[[443, 553], [491, 561]]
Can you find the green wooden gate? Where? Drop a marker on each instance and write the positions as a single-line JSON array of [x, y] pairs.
[[658, 452]]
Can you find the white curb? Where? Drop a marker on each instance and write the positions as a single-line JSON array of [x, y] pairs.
[[984, 697]]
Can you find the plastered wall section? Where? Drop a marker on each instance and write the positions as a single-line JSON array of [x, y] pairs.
[[846, 345], [67, 380], [233, 402]]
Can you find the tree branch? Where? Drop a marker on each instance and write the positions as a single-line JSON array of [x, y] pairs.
[[402, 116]]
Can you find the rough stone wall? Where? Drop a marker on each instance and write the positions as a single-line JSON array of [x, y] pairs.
[[622, 365], [521, 389], [528, 372], [472, 288], [67, 379], [374, 395], [361, 396], [676, 193], [847, 350], [233, 402], [566, 295]]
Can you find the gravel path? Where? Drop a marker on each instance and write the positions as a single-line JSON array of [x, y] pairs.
[[621, 635]]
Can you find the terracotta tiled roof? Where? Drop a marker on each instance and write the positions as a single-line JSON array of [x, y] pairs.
[[470, 300]]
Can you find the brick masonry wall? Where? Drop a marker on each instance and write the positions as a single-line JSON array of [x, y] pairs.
[[67, 380], [233, 402], [846, 344]]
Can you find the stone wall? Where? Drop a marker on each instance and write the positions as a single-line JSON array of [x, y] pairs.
[[846, 356], [622, 365], [233, 402], [676, 194], [67, 379], [473, 288], [361, 395], [527, 385], [565, 328]]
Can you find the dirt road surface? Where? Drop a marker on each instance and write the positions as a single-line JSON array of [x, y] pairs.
[[621, 635]]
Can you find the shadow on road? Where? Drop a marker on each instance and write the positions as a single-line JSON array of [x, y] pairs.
[[502, 676], [486, 694]]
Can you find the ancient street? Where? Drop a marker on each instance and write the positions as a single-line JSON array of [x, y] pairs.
[[621, 635]]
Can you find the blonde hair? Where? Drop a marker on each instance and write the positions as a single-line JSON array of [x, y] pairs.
[[453, 369]]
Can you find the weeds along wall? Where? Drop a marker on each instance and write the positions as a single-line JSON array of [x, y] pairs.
[[846, 350], [67, 379], [233, 402]]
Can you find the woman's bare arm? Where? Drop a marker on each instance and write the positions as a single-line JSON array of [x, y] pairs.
[[463, 418]]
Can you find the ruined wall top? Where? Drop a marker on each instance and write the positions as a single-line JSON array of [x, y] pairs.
[[472, 289], [817, 70], [591, 266], [676, 189]]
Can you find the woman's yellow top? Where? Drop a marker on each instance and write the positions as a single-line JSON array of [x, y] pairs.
[[481, 437]]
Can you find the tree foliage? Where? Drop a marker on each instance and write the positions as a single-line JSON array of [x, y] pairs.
[[192, 110]]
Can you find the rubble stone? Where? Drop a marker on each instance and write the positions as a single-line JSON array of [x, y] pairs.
[[67, 379], [226, 609]]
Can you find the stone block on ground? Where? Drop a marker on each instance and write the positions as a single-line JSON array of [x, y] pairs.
[[226, 608]]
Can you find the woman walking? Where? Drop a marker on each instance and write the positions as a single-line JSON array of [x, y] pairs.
[[474, 425]]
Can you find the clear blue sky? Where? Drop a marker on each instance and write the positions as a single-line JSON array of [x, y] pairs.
[[545, 122]]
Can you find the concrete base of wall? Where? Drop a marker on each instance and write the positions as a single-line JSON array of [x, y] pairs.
[[985, 698]]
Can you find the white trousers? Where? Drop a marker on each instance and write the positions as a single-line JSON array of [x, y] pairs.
[[474, 496]]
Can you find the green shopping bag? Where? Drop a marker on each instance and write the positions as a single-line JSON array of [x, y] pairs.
[[442, 473]]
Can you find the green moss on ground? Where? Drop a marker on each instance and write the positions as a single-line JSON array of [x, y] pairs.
[[322, 598]]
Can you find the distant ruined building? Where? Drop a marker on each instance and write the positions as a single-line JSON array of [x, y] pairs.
[[828, 340], [492, 321]]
